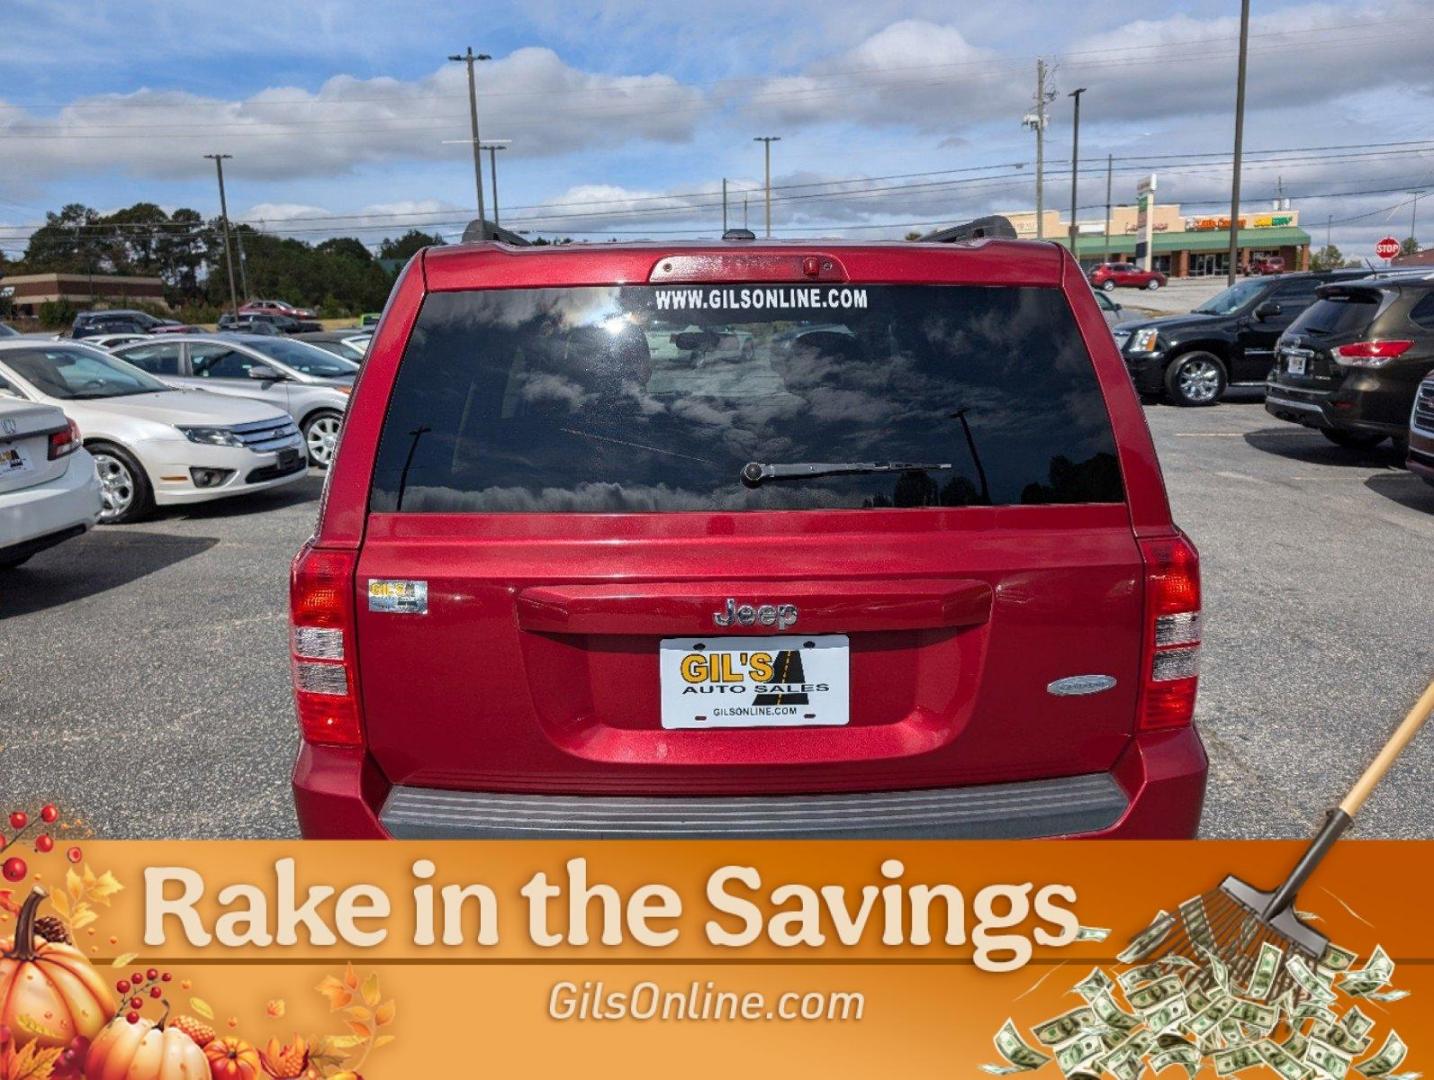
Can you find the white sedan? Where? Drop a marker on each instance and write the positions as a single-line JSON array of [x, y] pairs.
[[154, 444], [49, 491]]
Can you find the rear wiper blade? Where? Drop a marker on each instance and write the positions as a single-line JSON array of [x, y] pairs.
[[755, 473]]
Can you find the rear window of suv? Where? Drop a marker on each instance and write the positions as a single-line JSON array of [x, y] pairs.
[[1342, 313], [653, 398]]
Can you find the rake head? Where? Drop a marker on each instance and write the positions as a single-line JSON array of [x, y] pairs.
[[1231, 925]]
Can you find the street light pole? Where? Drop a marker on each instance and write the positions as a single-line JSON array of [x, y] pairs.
[[469, 58], [767, 141], [218, 160], [493, 146], [1239, 140], [1075, 165]]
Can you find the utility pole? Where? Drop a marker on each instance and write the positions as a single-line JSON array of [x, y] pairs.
[[243, 278], [1328, 225], [1414, 218], [767, 141], [1075, 165], [493, 146], [218, 160], [470, 58], [744, 211], [1037, 121], [1105, 253], [724, 206], [1239, 141]]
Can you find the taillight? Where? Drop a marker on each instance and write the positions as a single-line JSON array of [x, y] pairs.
[[64, 442], [1170, 667], [321, 646], [1370, 353]]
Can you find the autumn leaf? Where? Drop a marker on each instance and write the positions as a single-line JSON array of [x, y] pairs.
[[123, 959], [74, 885], [363, 1031], [359, 1013], [84, 915], [276, 1008], [351, 979], [61, 903], [371, 993], [384, 1014], [337, 993], [7, 902], [103, 888], [31, 1062], [339, 1042], [202, 1007], [383, 1040]]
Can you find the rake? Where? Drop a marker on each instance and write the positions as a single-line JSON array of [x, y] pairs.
[[1233, 921]]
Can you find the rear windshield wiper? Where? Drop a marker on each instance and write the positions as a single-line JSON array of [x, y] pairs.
[[755, 473]]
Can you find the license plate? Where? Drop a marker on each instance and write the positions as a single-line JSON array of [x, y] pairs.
[[745, 682], [1297, 362], [287, 458], [13, 460]]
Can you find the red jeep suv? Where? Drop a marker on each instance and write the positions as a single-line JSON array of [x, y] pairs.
[[1107, 276], [902, 568]]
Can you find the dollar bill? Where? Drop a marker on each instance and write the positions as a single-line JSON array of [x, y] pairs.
[[1282, 1061], [1168, 1015], [1186, 1056], [1267, 966], [1308, 981], [1296, 1043], [1208, 1019], [1335, 958], [1092, 933], [1219, 973], [1063, 1028], [1197, 923], [1391, 1055], [1112, 1015], [1071, 1057], [1340, 1038], [1387, 995], [1149, 939], [1236, 1059], [1355, 1022], [1020, 1056], [1375, 974], [1197, 998], [1262, 1017], [1144, 973], [1327, 1059], [1094, 985], [1153, 995]]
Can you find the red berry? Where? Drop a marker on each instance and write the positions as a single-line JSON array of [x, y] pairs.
[[19, 819], [152, 974], [165, 977], [137, 978], [132, 1017], [48, 814], [14, 869], [155, 991], [122, 986], [44, 843], [74, 854], [136, 1003]]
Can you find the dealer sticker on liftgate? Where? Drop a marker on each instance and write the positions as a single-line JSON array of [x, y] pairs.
[[735, 682]]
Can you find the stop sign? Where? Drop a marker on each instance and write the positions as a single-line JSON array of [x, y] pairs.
[[1387, 248]]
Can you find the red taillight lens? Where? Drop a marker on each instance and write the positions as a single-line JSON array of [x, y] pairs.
[[64, 442], [1370, 353], [321, 647], [1171, 664]]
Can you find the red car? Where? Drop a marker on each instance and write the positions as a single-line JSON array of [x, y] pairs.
[[1108, 276], [905, 569], [1263, 265]]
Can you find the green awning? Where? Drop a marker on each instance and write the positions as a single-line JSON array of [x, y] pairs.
[[1214, 240]]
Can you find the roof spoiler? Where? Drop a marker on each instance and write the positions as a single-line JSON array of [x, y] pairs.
[[995, 227], [475, 232]]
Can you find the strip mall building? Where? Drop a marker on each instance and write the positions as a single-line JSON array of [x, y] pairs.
[[1183, 246]]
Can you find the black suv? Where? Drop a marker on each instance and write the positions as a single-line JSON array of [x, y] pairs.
[[118, 321], [1351, 364], [1228, 340]]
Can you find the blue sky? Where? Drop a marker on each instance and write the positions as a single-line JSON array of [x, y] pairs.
[[625, 116]]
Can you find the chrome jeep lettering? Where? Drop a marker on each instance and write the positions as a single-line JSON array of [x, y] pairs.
[[779, 615]]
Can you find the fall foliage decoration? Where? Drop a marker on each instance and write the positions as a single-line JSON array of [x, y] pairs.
[[145, 1050], [49, 993], [196, 1029]]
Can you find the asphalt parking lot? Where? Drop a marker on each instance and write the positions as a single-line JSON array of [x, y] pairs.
[[144, 673]]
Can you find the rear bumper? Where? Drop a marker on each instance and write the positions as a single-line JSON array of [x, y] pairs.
[[1361, 404], [41, 516], [1155, 790]]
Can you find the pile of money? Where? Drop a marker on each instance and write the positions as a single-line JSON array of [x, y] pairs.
[[1193, 1011]]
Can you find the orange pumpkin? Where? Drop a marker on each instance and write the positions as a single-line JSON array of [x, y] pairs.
[[144, 1051], [49, 993], [232, 1058]]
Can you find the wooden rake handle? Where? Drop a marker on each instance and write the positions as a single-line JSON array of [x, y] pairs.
[[1340, 820], [1391, 751]]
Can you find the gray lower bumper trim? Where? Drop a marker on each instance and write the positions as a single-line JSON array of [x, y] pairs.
[[1031, 808]]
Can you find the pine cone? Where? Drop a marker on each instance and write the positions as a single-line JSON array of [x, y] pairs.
[[52, 929]]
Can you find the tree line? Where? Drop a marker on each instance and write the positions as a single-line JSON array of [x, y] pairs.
[[337, 277]]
